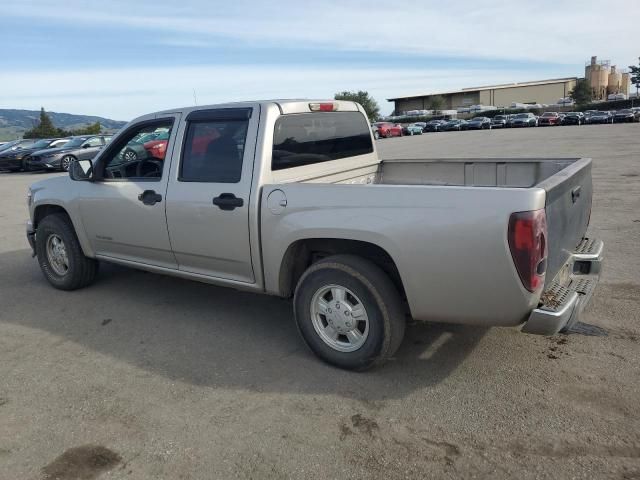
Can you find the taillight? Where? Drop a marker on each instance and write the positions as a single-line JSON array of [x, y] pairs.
[[528, 245], [323, 107]]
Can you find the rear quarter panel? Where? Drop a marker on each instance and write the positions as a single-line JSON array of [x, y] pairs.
[[449, 243]]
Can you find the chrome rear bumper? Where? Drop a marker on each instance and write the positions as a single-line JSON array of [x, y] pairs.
[[563, 302]]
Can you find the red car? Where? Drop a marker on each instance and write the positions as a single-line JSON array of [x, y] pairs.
[[549, 118], [387, 129], [157, 148]]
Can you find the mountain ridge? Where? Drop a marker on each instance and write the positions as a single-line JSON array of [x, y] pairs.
[[14, 122]]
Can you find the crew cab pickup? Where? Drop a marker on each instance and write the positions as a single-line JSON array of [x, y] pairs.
[[289, 198]]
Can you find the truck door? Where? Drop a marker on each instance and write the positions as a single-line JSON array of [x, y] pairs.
[[123, 210], [208, 195]]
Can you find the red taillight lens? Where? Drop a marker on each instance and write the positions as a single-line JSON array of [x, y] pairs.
[[528, 245]]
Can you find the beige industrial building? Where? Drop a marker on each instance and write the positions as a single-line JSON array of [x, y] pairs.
[[537, 92]]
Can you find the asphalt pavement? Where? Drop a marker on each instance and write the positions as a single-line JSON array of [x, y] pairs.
[[142, 376]]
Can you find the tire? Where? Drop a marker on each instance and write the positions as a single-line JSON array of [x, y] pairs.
[[80, 272], [130, 156], [381, 327], [66, 161], [376, 135]]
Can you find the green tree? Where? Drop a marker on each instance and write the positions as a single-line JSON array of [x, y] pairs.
[[635, 77], [436, 102], [363, 98], [44, 127], [582, 93], [93, 129]]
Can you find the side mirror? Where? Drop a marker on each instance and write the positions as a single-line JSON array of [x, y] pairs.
[[81, 171], [85, 145]]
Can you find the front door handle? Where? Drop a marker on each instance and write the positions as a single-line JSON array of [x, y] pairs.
[[228, 201], [150, 197]]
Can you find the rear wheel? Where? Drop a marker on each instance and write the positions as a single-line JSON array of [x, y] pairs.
[[349, 312], [60, 256]]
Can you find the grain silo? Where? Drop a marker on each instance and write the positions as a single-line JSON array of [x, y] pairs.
[[614, 84], [597, 73]]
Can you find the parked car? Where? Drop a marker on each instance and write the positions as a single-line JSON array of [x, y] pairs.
[[357, 257], [478, 123], [624, 115], [412, 129], [388, 129], [83, 147], [16, 144], [434, 125], [453, 125], [587, 115], [136, 150], [157, 148], [16, 160], [499, 121], [601, 117], [549, 119], [573, 118], [523, 120]]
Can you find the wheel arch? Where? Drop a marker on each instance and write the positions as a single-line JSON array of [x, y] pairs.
[[304, 252], [43, 210]]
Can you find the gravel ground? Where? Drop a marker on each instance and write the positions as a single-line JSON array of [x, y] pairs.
[[142, 376]]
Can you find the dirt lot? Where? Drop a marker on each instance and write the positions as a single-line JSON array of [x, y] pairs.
[[142, 376]]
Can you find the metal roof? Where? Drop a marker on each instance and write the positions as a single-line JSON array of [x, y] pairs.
[[488, 87]]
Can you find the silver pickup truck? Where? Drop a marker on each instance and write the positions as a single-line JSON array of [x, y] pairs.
[[290, 199]]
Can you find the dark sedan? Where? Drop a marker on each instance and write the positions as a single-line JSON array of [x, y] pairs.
[[478, 123], [434, 125], [453, 125], [601, 117], [573, 118], [15, 160], [79, 148], [624, 115]]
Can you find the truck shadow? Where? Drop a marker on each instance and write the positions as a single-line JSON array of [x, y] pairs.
[[207, 335]]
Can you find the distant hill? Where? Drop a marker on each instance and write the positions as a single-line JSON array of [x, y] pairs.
[[13, 123]]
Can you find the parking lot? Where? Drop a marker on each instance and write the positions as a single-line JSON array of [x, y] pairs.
[[145, 376]]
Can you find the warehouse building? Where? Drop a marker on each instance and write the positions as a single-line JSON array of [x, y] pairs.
[[537, 92]]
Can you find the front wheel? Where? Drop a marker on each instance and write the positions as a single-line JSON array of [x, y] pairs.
[[66, 162], [60, 256], [349, 312]]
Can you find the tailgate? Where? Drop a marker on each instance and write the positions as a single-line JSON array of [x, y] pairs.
[[568, 208]]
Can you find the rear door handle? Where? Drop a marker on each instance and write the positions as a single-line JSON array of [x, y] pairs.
[[228, 201], [150, 197]]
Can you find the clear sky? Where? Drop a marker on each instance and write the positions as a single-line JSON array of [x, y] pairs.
[[120, 59]]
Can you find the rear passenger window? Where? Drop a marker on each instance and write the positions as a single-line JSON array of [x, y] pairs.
[[213, 151], [306, 138]]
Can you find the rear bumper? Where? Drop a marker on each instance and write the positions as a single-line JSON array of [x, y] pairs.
[[563, 302], [10, 163]]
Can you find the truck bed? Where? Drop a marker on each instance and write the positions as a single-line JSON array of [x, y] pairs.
[[566, 181]]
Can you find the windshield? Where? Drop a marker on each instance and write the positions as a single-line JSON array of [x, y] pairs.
[[573, 114], [522, 115], [625, 111], [41, 144], [478, 119], [549, 114], [75, 142], [499, 117]]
